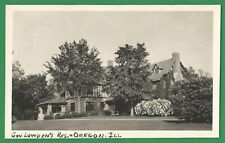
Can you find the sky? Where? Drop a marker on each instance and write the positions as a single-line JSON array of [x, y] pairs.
[[37, 35]]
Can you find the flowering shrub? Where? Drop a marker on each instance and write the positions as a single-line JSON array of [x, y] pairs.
[[156, 107]]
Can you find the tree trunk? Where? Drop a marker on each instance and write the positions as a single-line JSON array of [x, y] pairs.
[[78, 104], [132, 109], [78, 100]]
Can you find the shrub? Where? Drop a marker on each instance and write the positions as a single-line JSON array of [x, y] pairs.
[[107, 112], [67, 115], [28, 114], [58, 116], [48, 117], [156, 107], [63, 116], [93, 113], [75, 114], [70, 115], [192, 99]]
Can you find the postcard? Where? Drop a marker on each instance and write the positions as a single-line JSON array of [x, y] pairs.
[[112, 71]]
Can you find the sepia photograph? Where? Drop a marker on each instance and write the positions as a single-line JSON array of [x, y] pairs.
[[116, 71]]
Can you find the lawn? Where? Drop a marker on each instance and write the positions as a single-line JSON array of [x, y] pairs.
[[111, 123]]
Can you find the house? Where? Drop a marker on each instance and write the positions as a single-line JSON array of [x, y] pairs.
[[164, 74], [65, 103]]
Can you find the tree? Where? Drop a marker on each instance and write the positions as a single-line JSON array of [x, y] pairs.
[[129, 78], [17, 71], [26, 92], [192, 98], [37, 87], [35, 92], [18, 89], [76, 68]]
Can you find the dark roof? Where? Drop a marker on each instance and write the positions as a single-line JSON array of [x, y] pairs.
[[156, 76], [165, 66], [54, 100], [151, 66]]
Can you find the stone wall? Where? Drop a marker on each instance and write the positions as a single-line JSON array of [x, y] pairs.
[[162, 86], [96, 104]]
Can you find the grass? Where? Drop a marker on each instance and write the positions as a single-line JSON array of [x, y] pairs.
[[111, 123]]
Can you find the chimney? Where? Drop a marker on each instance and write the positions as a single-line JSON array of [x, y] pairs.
[[110, 63], [176, 67]]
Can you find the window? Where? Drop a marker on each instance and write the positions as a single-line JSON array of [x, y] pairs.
[[63, 94], [44, 109], [154, 86], [72, 107], [102, 106], [90, 91], [97, 90], [160, 70], [89, 106], [164, 84], [56, 108]]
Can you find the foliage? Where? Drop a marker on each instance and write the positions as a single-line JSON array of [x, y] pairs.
[[58, 116], [26, 92], [129, 77], [37, 87], [107, 112], [63, 116], [92, 113], [156, 107], [75, 66], [48, 117], [17, 71], [70, 115], [75, 114], [192, 98]]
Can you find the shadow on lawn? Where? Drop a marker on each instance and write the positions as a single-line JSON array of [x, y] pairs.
[[176, 121], [183, 121]]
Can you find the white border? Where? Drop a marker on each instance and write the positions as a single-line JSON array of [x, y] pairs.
[[125, 134]]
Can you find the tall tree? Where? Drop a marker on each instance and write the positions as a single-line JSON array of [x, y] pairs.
[[76, 68], [128, 79], [26, 92], [37, 87], [17, 71]]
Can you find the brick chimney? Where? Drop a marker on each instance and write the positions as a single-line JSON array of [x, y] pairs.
[[176, 67]]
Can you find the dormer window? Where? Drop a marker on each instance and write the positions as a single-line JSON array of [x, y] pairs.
[[156, 69], [160, 70], [63, 95]]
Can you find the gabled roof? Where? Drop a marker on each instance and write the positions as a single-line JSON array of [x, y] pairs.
[[152, 66], [164, 66], [54, 100]]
